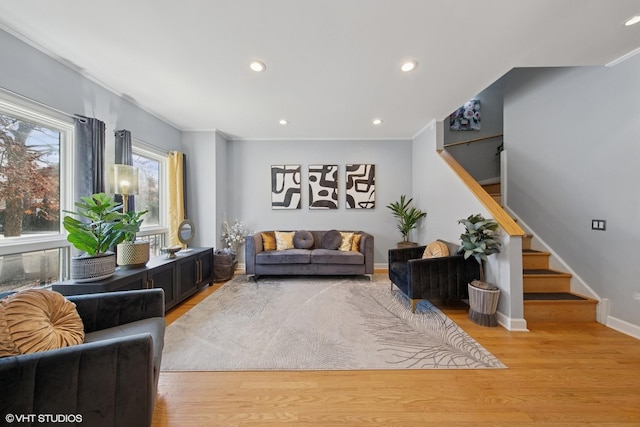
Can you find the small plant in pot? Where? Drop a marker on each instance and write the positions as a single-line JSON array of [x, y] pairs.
[[407, 216], [101, 230], [479, 242], [132, 253]]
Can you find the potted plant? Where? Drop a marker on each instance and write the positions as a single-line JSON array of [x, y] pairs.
[[407, 217], [478, 241], [132, 253], [101, 230]]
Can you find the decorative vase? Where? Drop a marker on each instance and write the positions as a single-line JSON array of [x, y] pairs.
[[93, 268], [483, 303], [132, 254]]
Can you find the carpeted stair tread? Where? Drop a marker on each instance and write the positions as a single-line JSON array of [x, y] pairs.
[[552, 296], [544, 271]]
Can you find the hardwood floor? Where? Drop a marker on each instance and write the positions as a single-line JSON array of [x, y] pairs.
[[580, 374]]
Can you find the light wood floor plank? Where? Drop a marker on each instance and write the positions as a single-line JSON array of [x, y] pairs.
[[580, 374]]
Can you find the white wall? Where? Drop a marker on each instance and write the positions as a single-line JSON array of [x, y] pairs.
[[30, 73], [572, 139], [249, 185]]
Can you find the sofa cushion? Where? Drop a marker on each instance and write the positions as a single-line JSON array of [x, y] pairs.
[[268, 240], [355, 243], [303, 240], [290, 256], [284, 240], [333, 256], [347, 239], [37, 320], [331, 239], [435, 249]]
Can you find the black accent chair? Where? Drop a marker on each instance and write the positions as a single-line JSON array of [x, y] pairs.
[[109, 380], [444, 278]]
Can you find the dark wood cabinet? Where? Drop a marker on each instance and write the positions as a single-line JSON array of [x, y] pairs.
[[179, 277]]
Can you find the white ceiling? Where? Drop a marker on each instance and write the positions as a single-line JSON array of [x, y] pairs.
[[332, 65]]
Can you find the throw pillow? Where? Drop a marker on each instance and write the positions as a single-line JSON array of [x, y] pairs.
[[435, 249], [355, 243], [284, 240], [268, 241], [37, 320], [303, 240], [347, 239], [331, 239]]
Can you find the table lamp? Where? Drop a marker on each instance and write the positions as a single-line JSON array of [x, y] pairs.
[[124, 181]]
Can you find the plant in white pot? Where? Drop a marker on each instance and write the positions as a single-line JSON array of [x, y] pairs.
[[479, 241], [407, 216], [101, 229], [132, 253]]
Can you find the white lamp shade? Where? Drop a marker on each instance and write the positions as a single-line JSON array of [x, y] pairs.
[[124, 179]]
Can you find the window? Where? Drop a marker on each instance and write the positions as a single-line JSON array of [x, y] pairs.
[[151, 166], [34, 152]]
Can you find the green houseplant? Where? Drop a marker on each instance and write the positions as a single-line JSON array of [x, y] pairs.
[[479, 241], [407, 216], [130, 252], [101, 229]]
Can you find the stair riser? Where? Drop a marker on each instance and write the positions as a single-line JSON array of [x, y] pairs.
[[526, 241], [559, 311], [492, 188], [535, 261], [546, 284]]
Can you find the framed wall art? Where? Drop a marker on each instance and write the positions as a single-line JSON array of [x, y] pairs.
[[466, 117], [360, 186], [323, 186], [285, 187]]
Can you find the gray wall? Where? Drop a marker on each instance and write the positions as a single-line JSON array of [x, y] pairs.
[[249, 185], [479, 158], [31, 73], [571, 137]]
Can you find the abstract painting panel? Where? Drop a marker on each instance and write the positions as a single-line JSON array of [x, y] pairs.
[[323, 186], [361, 186], [285, 187]]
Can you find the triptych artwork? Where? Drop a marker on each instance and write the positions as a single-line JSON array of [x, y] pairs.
[[286, 186]]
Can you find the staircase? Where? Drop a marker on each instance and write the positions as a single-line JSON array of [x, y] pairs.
[[547, 293]]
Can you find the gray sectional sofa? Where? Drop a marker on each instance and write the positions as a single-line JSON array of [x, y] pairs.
[[314, 253]]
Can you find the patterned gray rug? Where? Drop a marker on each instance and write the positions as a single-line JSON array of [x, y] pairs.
[[317, 323]]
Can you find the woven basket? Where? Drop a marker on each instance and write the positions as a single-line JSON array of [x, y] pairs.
[[91, 269], [483, 303], [223, 267]]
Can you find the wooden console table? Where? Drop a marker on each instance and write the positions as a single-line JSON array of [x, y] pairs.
[[180, 277]]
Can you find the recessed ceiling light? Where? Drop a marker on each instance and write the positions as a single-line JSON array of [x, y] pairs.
[[283, 122], [377, 122], [409, 65], [257, 66], [632, 20]]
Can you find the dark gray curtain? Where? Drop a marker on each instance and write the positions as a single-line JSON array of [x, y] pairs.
[[89, 159], [124, 151], [124, 156]]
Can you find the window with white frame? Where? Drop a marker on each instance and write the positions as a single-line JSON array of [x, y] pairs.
[[151, 164], [34, 187]]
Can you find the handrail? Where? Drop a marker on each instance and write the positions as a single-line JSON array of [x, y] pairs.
[[469, 141], [506, 222]]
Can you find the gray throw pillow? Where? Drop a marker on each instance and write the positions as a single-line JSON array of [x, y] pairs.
[[303, 240], [331, 239]]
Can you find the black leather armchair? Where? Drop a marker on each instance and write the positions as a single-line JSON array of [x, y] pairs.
[[442, 278], [109, 380]]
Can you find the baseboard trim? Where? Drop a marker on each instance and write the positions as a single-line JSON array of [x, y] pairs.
[[515, 325], [624, 327]]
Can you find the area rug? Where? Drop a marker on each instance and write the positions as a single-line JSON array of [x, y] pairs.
[[317, 323]]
